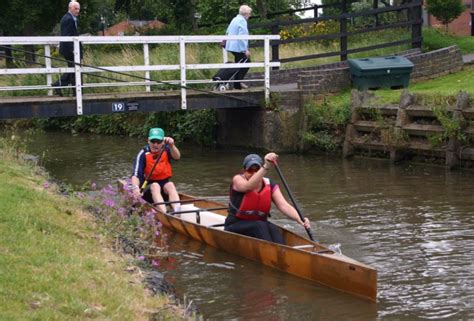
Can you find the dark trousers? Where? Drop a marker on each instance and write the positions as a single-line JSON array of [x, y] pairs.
[[240, 57], [68, 78], [259, 229]]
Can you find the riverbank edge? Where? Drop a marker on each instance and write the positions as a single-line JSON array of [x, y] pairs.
[[55, 264]]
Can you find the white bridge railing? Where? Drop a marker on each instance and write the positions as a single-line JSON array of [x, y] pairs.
[[183, 66]]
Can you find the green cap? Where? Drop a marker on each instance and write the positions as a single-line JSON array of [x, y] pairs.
[[156, 133]]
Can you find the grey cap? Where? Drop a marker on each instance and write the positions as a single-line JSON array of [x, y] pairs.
[[252, 159]]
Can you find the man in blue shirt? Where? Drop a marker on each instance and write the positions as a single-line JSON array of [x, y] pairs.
[[239, 48]]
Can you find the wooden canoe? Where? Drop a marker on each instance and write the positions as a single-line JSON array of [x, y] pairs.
[[300, 257]]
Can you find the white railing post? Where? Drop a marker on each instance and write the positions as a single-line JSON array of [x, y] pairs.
[[146, 58], [78, 75], [47, 62], [182, 65], [266, 51]]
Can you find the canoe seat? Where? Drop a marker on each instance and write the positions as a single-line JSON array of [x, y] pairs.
[[207, 218]]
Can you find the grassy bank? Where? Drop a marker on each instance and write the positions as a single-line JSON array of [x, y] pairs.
[[434, 38], [53, 263]]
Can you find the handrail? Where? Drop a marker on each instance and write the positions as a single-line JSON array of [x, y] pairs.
[[183, 66]]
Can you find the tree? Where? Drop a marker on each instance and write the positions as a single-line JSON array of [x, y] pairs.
[[445, 10]]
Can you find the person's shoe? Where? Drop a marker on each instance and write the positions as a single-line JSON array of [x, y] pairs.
[[243, 86]]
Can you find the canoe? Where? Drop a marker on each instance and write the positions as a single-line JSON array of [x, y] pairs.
[[299, 256]]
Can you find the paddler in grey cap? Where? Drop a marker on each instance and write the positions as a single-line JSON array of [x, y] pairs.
[[250, 200]]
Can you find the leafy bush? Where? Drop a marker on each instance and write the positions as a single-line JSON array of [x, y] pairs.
[[197, 126], [327, 121], [332, 111]]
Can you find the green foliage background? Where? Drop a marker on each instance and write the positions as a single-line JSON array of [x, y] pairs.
[[197, 126]]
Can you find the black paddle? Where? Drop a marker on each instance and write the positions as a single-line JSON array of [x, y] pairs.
[[308, 230], [145, 183]]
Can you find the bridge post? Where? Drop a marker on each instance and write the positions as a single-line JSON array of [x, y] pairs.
[[47, 62], [78, 75], [182, 63], [266, 50], [146, 61]]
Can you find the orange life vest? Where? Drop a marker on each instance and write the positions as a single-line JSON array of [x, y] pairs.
[[162, 169], [256, 205]]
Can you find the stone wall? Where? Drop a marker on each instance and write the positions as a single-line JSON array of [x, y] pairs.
[[269, 129], [436, 63]]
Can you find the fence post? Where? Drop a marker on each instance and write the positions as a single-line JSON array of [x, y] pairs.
[[276, 43], [78, 74], [316, 7], [343, 30], [416, 33], [376, 6]]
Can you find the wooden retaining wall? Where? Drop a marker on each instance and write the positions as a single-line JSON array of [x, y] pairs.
[[409, 130]]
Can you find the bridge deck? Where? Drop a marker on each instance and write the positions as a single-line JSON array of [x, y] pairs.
[[54, 106]]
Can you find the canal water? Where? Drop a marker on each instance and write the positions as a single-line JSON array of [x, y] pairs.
[[414, 223]]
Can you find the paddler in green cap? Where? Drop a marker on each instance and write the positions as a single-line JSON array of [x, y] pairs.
[[152, 171]]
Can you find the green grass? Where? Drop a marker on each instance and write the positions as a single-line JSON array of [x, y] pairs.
[[436, 39], [53, 264], [436, 90]]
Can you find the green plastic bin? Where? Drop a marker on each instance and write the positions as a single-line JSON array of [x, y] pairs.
[[371, 73]]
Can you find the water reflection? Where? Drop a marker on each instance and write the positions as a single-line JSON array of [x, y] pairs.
[[413, 223], [244, 290]]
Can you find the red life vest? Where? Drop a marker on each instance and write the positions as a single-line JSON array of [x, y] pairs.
[[256, 205], [163, 168]]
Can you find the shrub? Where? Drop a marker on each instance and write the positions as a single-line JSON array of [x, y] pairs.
[[445, 10]]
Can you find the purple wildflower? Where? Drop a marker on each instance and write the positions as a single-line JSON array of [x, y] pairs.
[[121, 211], [141, 258], [94, 186], [109, 202], [109, 190], [155, 263], [46, 185]]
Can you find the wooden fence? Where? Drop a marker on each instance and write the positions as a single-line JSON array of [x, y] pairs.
[[409, 15]]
